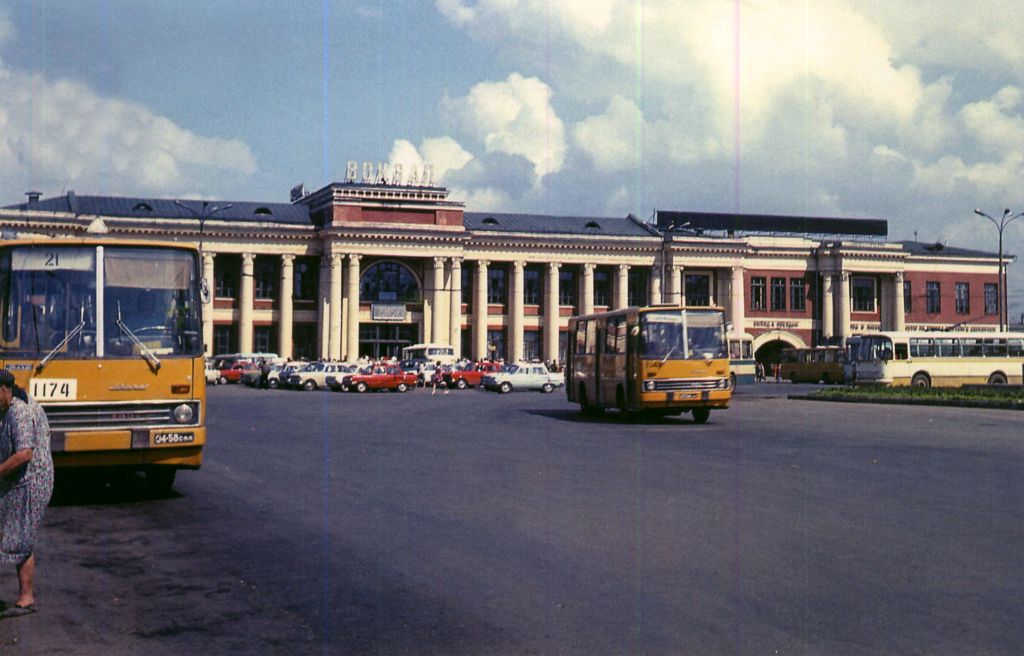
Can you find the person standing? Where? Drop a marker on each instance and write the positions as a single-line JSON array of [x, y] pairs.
[[26, 484]]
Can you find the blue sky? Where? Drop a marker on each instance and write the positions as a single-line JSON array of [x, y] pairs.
[[908, 111]]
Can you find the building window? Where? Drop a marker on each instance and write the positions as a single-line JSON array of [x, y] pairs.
[[496, 344], [797, 295], [697, 288], [531, 345], [223, 340], [963, 298], [602, 287], [863, 292], [388, 282], [265, 275], [566, 287], [497, 286], [531, 285], [262, 339], [778, 293], [757, 293], [225, 275], [991, 298], [467, 287], [304, 341], [638, 282], [306, 283], [908, 297], [933, 297]]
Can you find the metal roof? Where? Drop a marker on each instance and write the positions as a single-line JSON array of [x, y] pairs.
[[163, 208], [560, 225], [940, 249], [769, 223]]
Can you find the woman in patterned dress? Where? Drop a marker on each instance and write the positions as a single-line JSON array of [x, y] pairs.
[[26, 483]]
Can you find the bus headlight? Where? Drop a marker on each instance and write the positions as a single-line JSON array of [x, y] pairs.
[[648, 385], [184, 414]]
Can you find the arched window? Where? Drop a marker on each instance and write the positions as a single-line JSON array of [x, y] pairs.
[[388, 281]]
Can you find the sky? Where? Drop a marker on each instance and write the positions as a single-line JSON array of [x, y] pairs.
[[901, 110]]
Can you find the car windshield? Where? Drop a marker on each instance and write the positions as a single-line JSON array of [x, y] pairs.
[[682, 334]]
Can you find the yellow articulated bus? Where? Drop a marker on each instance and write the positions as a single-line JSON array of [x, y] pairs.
[[107, 336], [657, 360]]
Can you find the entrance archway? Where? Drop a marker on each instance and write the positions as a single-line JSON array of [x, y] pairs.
[[768, 346]]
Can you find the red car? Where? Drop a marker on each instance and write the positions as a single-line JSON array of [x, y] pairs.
[[381, 378], [233, 373], [470, 375]]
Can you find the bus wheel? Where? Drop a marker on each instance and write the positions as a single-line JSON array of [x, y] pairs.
[[160, 479], [998, 378], [700, 415], [585, 406], [921, 380], [825, 379]]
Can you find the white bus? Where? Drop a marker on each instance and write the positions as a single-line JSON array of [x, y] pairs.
[[940, 359], [430, 353], [741, 359]]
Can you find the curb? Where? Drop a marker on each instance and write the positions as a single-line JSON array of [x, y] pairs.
[[955, 403]]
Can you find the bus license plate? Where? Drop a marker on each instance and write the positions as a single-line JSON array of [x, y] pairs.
[[174, 438], [686, 396]]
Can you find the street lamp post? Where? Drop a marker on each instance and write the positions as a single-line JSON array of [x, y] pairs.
[[203, 215], [1007, 218]]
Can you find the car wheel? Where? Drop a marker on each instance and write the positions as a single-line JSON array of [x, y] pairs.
[[461, 383], [700, 415], [272, 384], [361, 387], [309, 385], [505, 387], [402, 387], [222, 381], [547, 388]]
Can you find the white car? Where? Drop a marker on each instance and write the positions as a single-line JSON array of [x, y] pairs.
[[212, 373], [519, 377], [314, 376]]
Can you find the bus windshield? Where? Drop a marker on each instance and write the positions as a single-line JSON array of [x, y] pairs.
[[49, 305], [682, 334], [874, 347]]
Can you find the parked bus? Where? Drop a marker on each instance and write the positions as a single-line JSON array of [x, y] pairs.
[[430, 353], [811, 365], [662, 360], [107, 336], [940, 359], [742, 364]]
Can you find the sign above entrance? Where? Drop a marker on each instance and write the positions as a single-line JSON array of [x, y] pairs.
[[384, 173], [387, 311]]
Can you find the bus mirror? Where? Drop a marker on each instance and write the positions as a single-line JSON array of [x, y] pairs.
[[204, 291]]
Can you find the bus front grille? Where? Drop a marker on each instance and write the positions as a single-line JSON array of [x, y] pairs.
[[680, 384], [107, 416]]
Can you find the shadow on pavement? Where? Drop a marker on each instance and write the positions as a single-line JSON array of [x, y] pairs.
[[104, 487]]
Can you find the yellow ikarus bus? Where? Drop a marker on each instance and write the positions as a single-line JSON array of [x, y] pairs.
[[107, 336], [658, 360]]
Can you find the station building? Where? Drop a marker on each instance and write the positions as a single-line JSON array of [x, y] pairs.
[[362, 268]]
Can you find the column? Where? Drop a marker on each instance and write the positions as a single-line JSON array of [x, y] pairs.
[[352, 321], [899, 310], [885, 318], [737, 296], [622, 286], [455, 316], [675, 285], [827, 312], [844, 306], [655, 282], [334, 342], [284, 331], [480, 313], [211, 286], [437, 302], [515, 313], [323, 308], [245, 305], [587, 289], [552, 313]]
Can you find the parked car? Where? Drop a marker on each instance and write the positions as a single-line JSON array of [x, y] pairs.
[[212, 373], [378, 378], [519, 377], [470, 374], [314, 376], [233, 372]]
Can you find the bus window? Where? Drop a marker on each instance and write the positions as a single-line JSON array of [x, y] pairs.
[[947, 348], [901, 351], [995, 348], [1016, 347]]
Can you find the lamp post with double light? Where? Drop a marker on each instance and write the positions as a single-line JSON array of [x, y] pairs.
[[1007, 218], [205, 213]]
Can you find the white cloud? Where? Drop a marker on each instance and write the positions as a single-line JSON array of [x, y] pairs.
[[514, 117], [612, 139], [62, 134], [443, 154], [991, 123]]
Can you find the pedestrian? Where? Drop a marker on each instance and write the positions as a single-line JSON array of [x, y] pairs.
[[777, 370], [437, 379], [759, 372], [265, 370], [26, 484]]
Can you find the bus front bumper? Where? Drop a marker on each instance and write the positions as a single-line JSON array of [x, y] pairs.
[[716, 399], [182, 447]]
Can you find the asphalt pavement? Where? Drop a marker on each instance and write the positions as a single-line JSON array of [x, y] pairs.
[[476, 523]]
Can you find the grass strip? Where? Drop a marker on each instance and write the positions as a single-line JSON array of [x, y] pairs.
[[1005, 398]]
